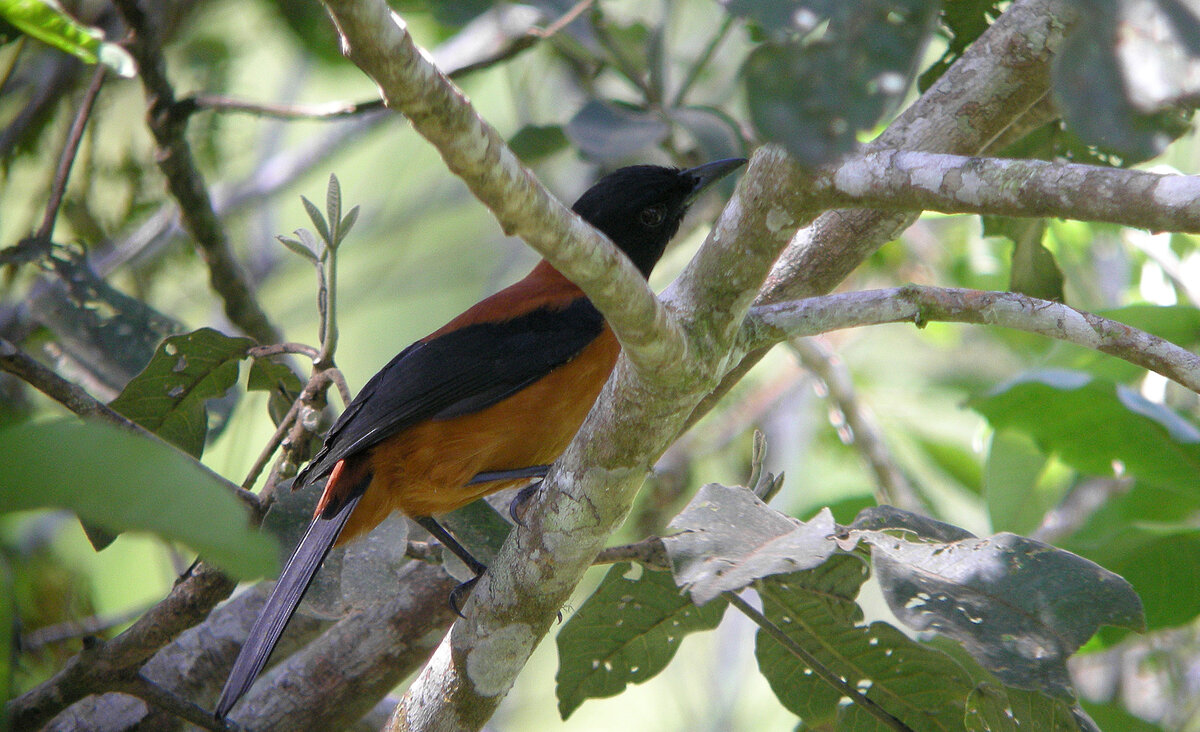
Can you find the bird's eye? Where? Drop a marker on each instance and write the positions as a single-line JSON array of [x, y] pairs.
[[653, 216]]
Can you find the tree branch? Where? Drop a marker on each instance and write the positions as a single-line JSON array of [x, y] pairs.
[[379, 43], [773, 323], [915, 181], [186, 184]]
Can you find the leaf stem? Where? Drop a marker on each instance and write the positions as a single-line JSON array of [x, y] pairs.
[[817, 667]]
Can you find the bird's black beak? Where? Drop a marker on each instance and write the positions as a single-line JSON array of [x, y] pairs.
[[705, 175]]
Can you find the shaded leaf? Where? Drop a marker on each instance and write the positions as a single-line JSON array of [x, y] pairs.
[[921, 686], [813, 92], [168, 397], [298, 247], [281, 384], [881, 518], [535, 142], [333, 206], [716, 134], [1104, 94], [611, 132], [1090, 424], [1034, 270], [1019, 607], [123, 482], [318, 221], [347, 223], [962, 21], [626, 632], [727, 538]]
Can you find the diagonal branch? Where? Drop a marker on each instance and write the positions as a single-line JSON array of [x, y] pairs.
[[915, 304], [379, 43], [174, 158]]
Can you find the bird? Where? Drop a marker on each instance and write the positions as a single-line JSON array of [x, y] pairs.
[[486, 402]]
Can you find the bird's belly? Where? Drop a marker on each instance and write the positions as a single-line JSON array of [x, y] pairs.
[[423, 470]]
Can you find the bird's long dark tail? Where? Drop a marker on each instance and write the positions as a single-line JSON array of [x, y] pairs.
[[295, 578]]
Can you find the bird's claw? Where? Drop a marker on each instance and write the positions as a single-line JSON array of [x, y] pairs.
[[516, 508], [459, 595]]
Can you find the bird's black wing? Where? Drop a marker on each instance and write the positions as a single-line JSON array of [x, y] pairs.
[[458, 373]]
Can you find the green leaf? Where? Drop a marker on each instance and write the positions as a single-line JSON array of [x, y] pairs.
[[726, 538], [347, 223], [123, 482], [532, 143], [318, 220], [1014, 465], [612, 132], [279, 381], [1034, 270], [1018, 606], [813, 91], [333, 206], [921, 686], [995, 709], [47, 22], [1092, 424], [298, 247], [626, 632], [168, 397]]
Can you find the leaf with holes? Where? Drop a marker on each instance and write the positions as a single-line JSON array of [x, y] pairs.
[[168, 397], [726, 538], [995, 709], [921, 686], [1018, 606], [279, 381], [626, 632]]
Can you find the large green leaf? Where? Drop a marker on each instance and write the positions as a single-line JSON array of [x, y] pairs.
[[626, 632], [1011, 477], [121, 482], [1093, 424], [996, 709], [1018, 606], [168, 397], [921, 686]]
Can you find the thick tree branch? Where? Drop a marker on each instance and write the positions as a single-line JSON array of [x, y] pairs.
[[911, 181], [379, 43], [774, 323]]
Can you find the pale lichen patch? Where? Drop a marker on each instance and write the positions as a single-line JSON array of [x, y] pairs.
[[488, 662]]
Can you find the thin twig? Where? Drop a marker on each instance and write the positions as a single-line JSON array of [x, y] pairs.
[[63, 172], [649, 553], [563, 21], [153, 694], [278, 349], [865, 434], [813, 663], [317, 112], [705, 56], [34, 640], [264, 457]]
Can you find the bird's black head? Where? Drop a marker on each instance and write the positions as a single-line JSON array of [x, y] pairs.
[[640, 207]]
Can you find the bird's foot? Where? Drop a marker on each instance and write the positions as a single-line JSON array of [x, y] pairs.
[[516, 508], [459, 595]]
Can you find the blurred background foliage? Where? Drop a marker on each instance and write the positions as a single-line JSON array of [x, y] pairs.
[[673, 82]]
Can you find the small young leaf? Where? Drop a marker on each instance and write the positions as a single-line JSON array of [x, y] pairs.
[[726, 538], [318, 221], [168, 397], [333, 206], [123, 482], [298, 247], [347, 224], [531, 143], [626, 632]]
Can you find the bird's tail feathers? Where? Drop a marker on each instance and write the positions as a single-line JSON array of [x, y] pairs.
[[295, 578]]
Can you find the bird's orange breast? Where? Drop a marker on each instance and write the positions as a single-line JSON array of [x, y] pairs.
[[423, 470]]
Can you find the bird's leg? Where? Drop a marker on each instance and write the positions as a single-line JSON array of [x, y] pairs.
[[439, 532]]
